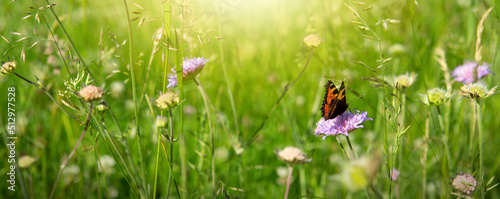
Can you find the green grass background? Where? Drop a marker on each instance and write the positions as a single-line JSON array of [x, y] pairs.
[[263, 51]]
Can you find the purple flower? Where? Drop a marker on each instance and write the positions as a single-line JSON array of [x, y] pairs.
[[341, 124], [394, 174], [465, 73], [190, 68]]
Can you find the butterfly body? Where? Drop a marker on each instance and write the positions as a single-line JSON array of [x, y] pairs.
[[334, 102]]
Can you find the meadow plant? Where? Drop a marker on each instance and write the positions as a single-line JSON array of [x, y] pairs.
[[476, 90], [167, 100], [470, 72], [342, 124], [117, 159], [8, 67], [465, 183], [435, 97], [404, 81], [292, 156], [190, 68]]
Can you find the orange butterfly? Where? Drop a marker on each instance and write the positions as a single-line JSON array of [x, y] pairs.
[[334, 103]]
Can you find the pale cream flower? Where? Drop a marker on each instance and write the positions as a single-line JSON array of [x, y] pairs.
[[312, 40], [293, 155]]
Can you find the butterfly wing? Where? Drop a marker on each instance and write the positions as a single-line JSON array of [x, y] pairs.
[[334, 102]]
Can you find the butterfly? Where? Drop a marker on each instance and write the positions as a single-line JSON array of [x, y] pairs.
[[334, 102]]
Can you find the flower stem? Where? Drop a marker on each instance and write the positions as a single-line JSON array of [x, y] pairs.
[[66, 161], [224, 70], [171, 156], [471, 134], [156, 166], [481, 146], [212, 146], [342, 147], [134, 94], [288, 180], [350, 147], [423, 160]]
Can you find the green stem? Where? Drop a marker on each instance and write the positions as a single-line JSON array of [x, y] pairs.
[[445, 140], [212, 145], [424, 160], [171, 156], [342, 147], [157, 162], [66, 161], [350, 147], [134, 94], [471, 135], [180, 83], [481, 146], [224, 70]]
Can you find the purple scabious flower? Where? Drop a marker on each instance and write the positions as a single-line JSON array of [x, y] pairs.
[[341, 124], [465, 73], [190, 68]]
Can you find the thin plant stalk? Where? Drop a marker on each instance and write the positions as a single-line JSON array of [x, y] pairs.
[[424, 160], [212, 145], [66, 161], [350, 147], [342, 147], [171, 144], [471, 134], [224, 70], [401, 153], [157, 162], [180, 83], [134, 94], [481, 146], [288, 180]]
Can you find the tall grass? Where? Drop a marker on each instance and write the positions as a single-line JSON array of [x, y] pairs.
[[260, 91]]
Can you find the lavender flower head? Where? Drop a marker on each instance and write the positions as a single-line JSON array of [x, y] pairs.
[[341, 124], [190, 68], [465, 73]]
